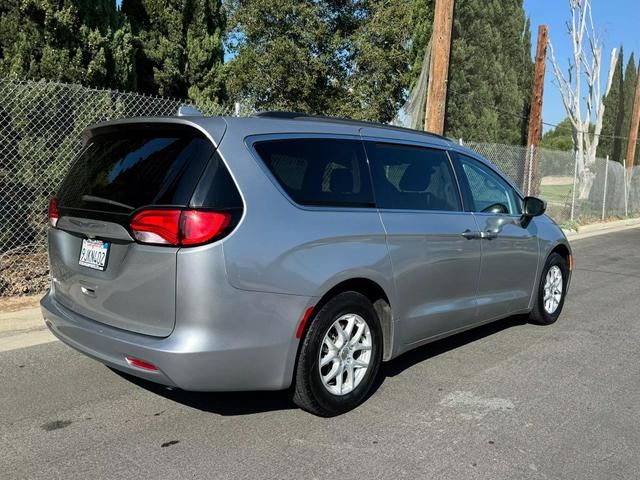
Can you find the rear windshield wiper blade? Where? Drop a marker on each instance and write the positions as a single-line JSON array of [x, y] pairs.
[[91, 198]]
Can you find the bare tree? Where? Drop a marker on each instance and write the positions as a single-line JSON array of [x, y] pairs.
[[584, 66]]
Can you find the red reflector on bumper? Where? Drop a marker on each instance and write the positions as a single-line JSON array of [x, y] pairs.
[[303, 322], [136, 362]]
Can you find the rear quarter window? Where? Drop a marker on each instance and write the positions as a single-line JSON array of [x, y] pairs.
[[319, 171]]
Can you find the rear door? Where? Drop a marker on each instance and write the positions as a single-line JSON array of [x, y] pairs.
[[97, 268], [509, 250], [436, 263]]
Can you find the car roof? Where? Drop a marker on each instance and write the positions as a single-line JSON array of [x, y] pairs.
[[291, 122]]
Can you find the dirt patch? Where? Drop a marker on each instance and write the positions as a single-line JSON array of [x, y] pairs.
[[14, 304], [557, 180], [23, 274]]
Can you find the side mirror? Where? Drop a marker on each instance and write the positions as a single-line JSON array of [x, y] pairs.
[[534, 207]]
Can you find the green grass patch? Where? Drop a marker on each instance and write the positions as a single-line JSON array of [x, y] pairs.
[[555, 193]]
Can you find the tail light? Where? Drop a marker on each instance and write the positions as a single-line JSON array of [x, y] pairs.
[[179, 227], [53, 213]]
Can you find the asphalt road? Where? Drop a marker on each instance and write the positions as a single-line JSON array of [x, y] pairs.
[[506, 401]]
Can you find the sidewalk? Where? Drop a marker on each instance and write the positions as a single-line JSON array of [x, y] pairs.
[[595, 229], [23, 328]]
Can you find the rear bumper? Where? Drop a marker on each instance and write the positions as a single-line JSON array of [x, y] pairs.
[[197, 358]]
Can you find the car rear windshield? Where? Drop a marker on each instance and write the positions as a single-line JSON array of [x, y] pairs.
[[124, 168]]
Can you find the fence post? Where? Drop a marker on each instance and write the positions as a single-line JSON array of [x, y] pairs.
[[624, 182], [604, 195], [461, 142], [575, 180], [530, 169]]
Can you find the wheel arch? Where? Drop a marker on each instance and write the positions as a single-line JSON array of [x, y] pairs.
[[378, 298]]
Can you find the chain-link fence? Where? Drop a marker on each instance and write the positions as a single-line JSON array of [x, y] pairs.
[[604, 190], [40, 125]]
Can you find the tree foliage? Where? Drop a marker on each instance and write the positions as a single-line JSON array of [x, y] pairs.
[[629, 89], [614, 114], [83, 42], [490, 72], [353, 58], [559, 138], [330, 57], [179, 47]]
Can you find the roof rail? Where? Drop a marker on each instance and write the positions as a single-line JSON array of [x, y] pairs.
[[342, 120]]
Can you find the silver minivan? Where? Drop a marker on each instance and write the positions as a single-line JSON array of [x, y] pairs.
[[286, 251]]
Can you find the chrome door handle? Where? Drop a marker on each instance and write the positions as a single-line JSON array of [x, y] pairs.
[[469, 235], [489, 234]]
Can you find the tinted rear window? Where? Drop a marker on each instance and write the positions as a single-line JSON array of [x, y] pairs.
[[319, 171], [131, 167]]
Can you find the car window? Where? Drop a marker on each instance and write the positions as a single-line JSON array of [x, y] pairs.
[[134, 167], [319, 171], [412, 178], [489, 192]]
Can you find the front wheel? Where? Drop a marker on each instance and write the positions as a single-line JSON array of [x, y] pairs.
[[551, 291], [339, 357]]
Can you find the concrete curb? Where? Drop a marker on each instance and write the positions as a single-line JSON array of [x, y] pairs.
[[23, 328], [21, 320], [596, 229]]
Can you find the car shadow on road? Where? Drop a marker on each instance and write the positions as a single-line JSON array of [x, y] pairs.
[[246, 403]]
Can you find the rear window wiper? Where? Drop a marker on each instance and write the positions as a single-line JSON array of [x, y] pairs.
[[91, 198]]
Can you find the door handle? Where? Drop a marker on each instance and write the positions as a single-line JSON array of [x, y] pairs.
[[489, 234], [469, 235], [89, 292]]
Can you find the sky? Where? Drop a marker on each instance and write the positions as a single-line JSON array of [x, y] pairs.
[[616, 21]]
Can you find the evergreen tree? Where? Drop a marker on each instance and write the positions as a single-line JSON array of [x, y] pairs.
[[613, 119], [490, 72], [629, 89], [180, 47], [490, 68], [63, 40], [378, 69]]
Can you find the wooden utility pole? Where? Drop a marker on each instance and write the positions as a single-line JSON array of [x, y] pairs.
[[535, 115], [439, 68], [633, 132]]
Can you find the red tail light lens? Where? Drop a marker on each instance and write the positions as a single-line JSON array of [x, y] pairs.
[[178, 227], [53, 213], [200, 227], [157, 226]]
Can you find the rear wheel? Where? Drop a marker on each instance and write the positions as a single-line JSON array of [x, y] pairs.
[[551, 291], [339, 357]]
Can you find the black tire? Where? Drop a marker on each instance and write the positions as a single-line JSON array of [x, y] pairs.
[[309, 393], [539, 315]]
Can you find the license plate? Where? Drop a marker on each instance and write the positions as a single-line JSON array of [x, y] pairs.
[[94, 254]]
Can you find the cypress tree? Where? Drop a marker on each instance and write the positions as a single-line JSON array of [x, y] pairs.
[[490, 69], [377, 72], [180, 50], [629, 91], [67, 41], [613, 119]]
